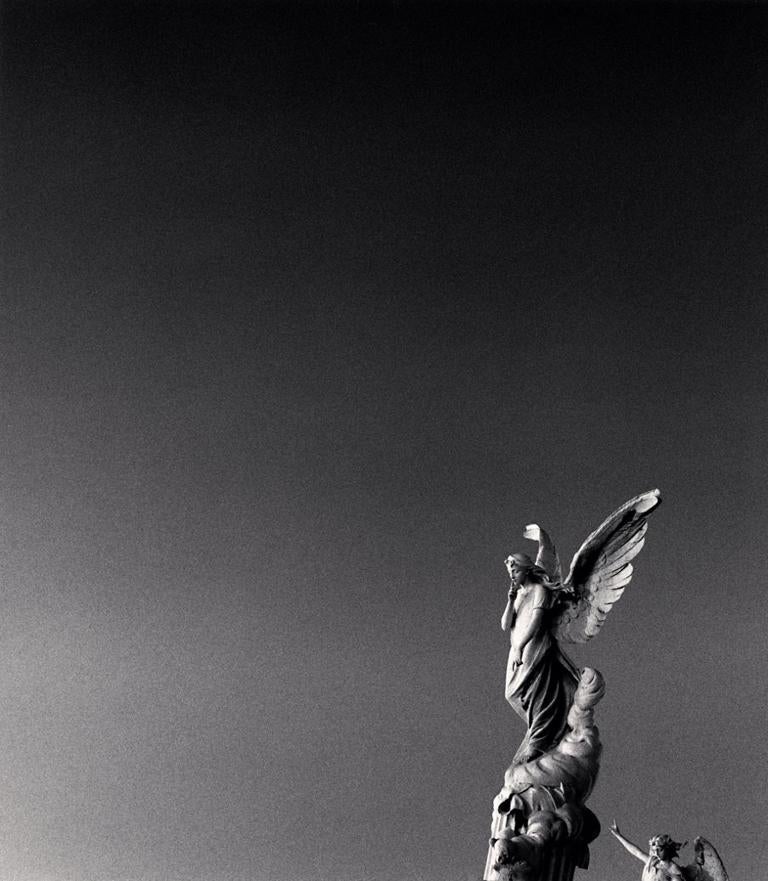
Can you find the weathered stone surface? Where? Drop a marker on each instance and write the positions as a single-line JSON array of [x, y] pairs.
[[541, 827]]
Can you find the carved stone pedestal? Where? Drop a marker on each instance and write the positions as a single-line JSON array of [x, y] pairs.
[[540, 827], [551, 849], [561, 865]]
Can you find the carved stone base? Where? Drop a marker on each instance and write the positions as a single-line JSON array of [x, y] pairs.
[[560, 865], [540, 828], [547, 845]]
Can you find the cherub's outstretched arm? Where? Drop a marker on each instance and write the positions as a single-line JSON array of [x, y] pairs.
[[632, 848]]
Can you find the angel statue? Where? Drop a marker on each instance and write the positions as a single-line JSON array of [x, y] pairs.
[[543, 611], [660, 864]]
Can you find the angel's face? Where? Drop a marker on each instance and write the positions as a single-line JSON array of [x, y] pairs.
[[658, 847], [515, 572]]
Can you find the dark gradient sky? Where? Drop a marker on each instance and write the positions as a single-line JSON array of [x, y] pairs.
[[305, 313]]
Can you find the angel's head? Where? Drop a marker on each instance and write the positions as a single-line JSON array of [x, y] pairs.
[[522, 569], [664, 847]]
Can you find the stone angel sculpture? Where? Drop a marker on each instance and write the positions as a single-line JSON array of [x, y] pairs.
[[545, 611], [660, 863]]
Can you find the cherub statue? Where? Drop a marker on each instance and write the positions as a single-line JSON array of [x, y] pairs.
[[660, 861], [544, 611]]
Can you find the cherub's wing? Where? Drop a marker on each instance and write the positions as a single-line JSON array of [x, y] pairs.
[[602, 568], [708, 865]]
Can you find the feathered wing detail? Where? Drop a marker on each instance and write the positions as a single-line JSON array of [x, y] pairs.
[[602, 568], [708, 865], [547, 556]]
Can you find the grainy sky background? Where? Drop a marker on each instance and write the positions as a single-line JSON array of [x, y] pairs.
[[306, 311]]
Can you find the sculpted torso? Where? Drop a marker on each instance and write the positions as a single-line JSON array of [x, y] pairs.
[[529, 637], [661, 870], [540, 680]]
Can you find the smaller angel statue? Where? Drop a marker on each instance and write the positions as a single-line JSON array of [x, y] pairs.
[[660, 861]]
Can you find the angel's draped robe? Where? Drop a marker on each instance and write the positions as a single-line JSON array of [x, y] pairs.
[[541, 689]]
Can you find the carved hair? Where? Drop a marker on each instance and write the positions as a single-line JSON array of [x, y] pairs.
[[532, 572], [667, 845]]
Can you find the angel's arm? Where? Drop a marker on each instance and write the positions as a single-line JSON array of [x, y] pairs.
[[509, 612], [625, 842]]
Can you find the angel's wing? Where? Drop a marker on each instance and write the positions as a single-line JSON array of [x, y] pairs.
[[602, 568], [708, 865]]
